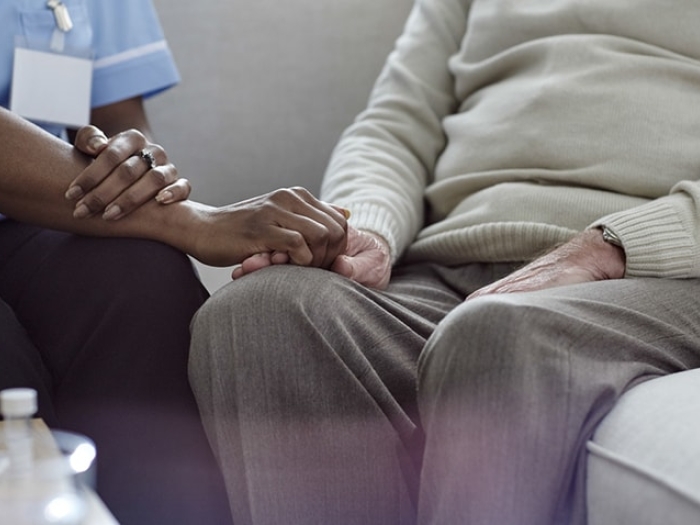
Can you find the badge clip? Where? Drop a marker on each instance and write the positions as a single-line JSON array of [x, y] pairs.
[[61, 15]]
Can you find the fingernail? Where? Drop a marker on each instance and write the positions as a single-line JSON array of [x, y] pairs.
[[81, 212], [347, 213], [97, 142], [165, 197], [112, 212], [74, 192]]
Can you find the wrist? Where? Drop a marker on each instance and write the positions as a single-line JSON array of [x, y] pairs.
[[609, 252], [182, 225], [178, 224], [382, 243]]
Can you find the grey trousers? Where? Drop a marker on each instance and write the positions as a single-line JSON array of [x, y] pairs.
[[328, 403]]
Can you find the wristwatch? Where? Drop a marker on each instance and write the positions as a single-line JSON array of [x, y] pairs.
[[611, 237]]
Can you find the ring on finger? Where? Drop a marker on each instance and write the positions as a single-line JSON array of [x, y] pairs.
[[149, 158]]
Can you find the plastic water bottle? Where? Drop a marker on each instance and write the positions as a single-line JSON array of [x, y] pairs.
[[34, 490]]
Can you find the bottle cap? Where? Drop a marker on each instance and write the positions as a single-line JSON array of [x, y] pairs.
[[18, 402]]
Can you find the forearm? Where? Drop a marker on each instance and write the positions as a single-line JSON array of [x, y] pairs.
[[36, 171], [38, 168], [585, 258]]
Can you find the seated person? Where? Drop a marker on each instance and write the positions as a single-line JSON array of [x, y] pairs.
[[447, 372], [98, 323]]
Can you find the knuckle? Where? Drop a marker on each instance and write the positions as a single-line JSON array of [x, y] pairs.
[[131, 140], [159, 177], [288, 193], [296, 241], [274, 196], [87, 181], [183, 186], [159, 151], [129, 172], [337, 232], [127, 201], [169, 175], [133, 134], [84, 132], [95, 202], [112, 155], [319, 237]]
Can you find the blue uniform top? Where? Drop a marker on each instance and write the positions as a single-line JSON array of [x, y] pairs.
[[131, 56]]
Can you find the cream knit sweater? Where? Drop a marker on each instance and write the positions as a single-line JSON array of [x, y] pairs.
[[501, 127]]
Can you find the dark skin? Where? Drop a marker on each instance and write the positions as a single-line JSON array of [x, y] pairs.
[[289, 221], [120, 181], [120, 116]]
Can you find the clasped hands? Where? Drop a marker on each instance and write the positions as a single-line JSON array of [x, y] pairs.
[[120, 180], [285, 226], [290, 225]]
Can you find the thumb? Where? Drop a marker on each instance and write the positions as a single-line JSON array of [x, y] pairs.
[[344, 265], [340, 209], [90, 140]]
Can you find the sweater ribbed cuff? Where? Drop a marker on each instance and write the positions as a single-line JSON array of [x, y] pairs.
[[373, 218], [655, 242]]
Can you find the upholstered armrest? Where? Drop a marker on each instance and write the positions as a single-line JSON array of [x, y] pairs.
[[644, 460]]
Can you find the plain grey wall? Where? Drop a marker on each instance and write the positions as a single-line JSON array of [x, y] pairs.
[[267, 88]]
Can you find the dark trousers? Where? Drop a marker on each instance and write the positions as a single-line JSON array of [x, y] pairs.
[[100, 328]]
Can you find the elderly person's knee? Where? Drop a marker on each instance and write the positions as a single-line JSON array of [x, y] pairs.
[[501, 338], [276, 288], [260, 314]]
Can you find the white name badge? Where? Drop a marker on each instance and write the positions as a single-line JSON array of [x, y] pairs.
[[51, 87]]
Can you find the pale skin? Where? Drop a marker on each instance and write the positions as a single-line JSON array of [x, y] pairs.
[[366, 259], [585, 258], [289, 221]]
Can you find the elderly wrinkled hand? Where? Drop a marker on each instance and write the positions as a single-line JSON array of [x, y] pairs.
[[585, 258], [367, 259]]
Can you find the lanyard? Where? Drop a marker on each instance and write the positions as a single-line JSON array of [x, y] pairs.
[[63, 24]]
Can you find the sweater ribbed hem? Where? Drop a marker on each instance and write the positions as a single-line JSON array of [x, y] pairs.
[[491, 242]]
